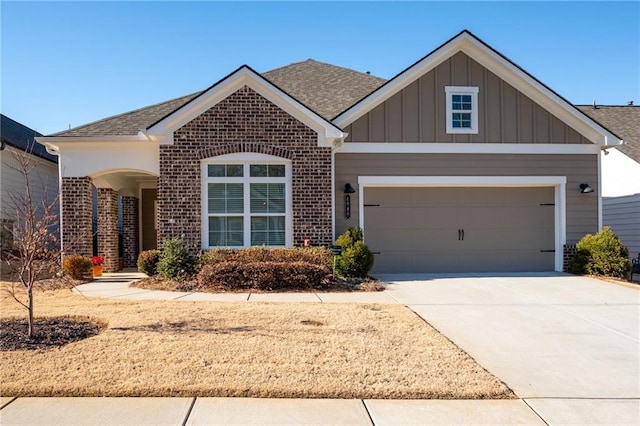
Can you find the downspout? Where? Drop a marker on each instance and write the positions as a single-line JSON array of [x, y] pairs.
[[54, 150]]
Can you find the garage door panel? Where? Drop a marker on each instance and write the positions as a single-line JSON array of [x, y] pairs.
[[443, 197], [384, 218], [412, 260], [515, 239], [434, 217], [396, 197], [416, 229], [505, 217]]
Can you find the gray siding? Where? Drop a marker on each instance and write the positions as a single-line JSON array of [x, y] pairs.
[[417, 113], [43, 179], [622, 214], [582, 209]]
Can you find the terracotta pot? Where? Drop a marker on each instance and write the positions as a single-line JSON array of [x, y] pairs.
[[97, 270]]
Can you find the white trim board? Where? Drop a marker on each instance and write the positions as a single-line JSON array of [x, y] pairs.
[[464, 148], [559, 184]]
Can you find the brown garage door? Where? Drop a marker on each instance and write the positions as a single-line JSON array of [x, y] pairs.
[[460, 229]]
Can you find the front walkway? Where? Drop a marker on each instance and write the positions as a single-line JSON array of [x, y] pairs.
[[117, 286]]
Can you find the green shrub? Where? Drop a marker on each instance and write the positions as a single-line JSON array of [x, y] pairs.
[[350, 237], [77, 267], [356, 260], [148, 262], [174, 260], [601, 254], [314, 255], [264, 275]]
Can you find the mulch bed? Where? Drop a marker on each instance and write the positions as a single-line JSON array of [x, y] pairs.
[[48, 332]]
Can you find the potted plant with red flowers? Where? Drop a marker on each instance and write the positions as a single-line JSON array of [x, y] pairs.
[[97, 262]]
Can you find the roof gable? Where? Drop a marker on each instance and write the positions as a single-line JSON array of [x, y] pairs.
[[498, 64], [22, 137], [162, 130]]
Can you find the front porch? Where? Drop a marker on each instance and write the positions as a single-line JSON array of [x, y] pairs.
[[111, 214]]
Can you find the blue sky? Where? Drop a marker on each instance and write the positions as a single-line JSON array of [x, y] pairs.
[[72, 63]]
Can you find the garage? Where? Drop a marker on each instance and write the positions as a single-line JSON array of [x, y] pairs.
[[460, 229]]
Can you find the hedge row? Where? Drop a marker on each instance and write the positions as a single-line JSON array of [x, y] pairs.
[[313, 255], [264, 275]]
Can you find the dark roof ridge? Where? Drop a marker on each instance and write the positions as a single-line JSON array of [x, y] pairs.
[[324, 63]]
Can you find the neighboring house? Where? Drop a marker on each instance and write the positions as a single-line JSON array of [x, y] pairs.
[[621, 172], [462, 162], [18, 140]]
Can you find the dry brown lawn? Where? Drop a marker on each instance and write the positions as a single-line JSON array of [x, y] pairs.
[[244, 349]]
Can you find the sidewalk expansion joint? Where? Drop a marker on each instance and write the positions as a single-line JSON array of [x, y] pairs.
[[186, 418]]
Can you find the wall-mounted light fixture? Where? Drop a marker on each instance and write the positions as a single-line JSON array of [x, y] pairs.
[[348, 189], [585, 188]]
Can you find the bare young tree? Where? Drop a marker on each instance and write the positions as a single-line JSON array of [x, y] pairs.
[[35, 249]]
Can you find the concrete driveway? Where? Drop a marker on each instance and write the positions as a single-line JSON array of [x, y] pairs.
[[569, 346]]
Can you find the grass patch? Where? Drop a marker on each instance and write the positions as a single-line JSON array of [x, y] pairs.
[[247, 349]]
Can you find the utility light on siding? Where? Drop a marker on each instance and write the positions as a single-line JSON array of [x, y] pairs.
[[585, 188], [348, 189]]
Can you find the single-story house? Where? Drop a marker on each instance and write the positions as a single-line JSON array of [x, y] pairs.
[[19, 140], [462, 162], [621, 172]]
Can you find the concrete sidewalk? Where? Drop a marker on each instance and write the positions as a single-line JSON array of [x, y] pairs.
[[252, 411], [118, 286]]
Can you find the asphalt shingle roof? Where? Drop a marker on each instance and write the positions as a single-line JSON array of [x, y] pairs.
[[326, 89], [624, 121], [22, 137]]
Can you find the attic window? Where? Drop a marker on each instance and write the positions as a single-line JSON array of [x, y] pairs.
[[462, 109]]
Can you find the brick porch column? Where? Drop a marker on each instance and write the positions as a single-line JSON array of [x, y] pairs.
[[108, 228], [130, 232], [77, 208]]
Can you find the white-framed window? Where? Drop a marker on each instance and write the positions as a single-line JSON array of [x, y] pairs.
[[462, 109], [246, 201]]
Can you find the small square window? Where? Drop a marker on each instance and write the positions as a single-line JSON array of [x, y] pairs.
[[462, 109]]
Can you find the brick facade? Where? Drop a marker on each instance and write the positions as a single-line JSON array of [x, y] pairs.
[[570, 250], [77, 208], [130, 234], [244, 122], [108, 228]]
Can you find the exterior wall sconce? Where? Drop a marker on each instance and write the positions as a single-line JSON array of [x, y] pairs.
[[585, 188], [348, 189]]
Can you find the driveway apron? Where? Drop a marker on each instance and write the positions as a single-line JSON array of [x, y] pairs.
[[545, 335]]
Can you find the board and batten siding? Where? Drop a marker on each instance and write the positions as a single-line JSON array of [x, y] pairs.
[[622, 214], [581, 209], [418, 112]]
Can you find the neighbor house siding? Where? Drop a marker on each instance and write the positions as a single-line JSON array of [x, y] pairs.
[[418, 112], [43, 179], [622, 214], [581, 209], [244, 122]]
